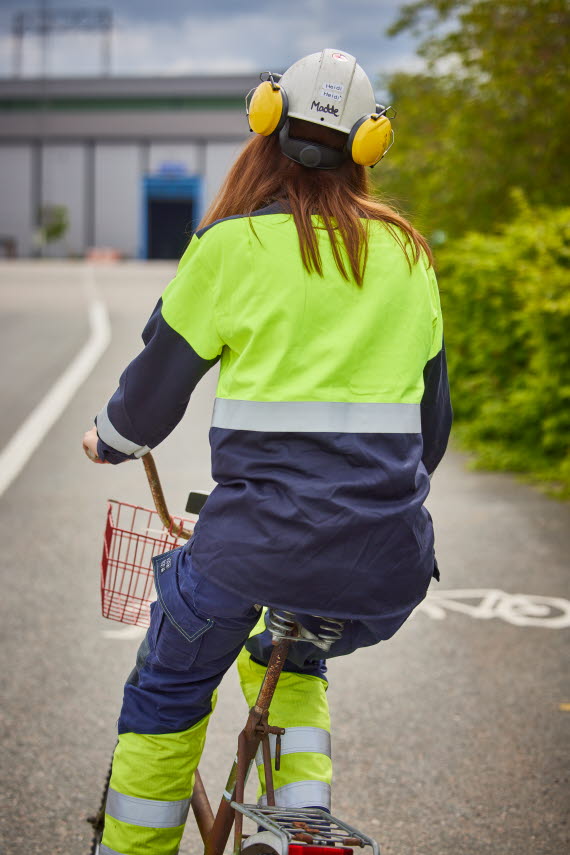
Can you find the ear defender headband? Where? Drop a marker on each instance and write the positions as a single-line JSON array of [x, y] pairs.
[[368, 141]]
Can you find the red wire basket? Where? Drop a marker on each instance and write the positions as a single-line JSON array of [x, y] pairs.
[[133, 536]]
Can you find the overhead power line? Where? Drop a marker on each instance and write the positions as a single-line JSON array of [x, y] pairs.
[[43, 22]]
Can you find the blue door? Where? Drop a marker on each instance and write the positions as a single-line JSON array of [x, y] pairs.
[[171, 210]]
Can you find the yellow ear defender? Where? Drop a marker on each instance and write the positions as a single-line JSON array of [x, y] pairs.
[[267, 109], [371, 137]]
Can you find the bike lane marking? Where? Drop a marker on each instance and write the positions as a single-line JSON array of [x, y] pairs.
[[32, 431], [516, 609]]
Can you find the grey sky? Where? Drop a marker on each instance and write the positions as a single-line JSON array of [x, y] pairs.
[[217, 36]]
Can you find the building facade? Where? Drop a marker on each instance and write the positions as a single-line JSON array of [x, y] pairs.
[[131, 163]]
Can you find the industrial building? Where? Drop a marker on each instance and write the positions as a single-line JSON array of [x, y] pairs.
[[131, 162]]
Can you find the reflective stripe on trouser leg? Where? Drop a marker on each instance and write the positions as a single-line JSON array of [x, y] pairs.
[[299, 705], [150, 790]]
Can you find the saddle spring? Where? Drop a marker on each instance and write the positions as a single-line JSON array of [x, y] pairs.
[[330, 630], [283, 624]]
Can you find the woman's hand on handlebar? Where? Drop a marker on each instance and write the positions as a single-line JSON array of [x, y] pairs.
[[90, 445]]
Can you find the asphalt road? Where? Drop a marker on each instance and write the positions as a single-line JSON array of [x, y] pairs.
[[451, 738]]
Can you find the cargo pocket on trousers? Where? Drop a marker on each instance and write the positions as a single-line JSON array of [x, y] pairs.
[[176, 631], [176, 647]]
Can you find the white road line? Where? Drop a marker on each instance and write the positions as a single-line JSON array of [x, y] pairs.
[[125, 633], [30, 434]]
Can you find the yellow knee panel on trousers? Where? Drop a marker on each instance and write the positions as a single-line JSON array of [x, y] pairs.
[[299, 699], [299, 705], [150, 790]]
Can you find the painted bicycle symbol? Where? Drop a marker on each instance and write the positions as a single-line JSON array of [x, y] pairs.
[[478, 603], [487, 603]]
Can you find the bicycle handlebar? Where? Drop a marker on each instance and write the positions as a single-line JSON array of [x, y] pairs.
[[159, 500]]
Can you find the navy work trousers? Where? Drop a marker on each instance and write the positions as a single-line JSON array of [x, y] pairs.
[[196, 632]]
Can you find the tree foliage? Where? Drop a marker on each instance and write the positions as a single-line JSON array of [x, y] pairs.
[[488, 114], [481, 163], [506, 302]]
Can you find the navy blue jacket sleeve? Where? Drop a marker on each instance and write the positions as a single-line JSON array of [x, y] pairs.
[[436, 412], [153, 393]]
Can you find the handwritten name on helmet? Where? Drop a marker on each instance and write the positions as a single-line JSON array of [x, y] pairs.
[[324, 108]]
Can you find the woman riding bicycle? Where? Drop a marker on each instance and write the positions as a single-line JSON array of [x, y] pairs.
[[332, 411]]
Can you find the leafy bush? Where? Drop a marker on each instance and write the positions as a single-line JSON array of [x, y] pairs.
[[53, 222], [506, 302]]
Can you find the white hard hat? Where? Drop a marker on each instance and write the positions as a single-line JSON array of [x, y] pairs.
[[328, 88]]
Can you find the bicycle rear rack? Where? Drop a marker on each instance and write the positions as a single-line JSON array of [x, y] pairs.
[[299, 830]]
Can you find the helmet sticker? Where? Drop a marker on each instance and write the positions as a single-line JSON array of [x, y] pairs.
[[325, 108], [332, 90], [340, 56]]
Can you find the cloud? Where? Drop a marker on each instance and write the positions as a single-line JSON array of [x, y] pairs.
[[223, 36]]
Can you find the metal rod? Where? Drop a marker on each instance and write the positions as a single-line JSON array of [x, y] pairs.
[[221, 829], [269, 789], [223, 821], [274, 668], [244, 748], [201, 806], [159, 500]]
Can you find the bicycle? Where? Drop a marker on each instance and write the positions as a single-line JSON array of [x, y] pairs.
[[126, 589]]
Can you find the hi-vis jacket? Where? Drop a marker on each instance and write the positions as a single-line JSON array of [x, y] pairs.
[[332, 409]]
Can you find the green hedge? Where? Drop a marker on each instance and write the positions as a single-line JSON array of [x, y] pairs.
[[506, 303]]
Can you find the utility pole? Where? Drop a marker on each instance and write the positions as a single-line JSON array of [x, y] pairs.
[[44, 32]]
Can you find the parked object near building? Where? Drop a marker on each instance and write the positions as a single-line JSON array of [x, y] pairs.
[[8, 247], [135, 161]]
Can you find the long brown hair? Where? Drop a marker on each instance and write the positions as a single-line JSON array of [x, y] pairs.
[[341, 197]]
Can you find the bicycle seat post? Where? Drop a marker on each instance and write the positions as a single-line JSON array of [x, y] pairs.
[[248, 742], [256, 730], [285, 630]]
